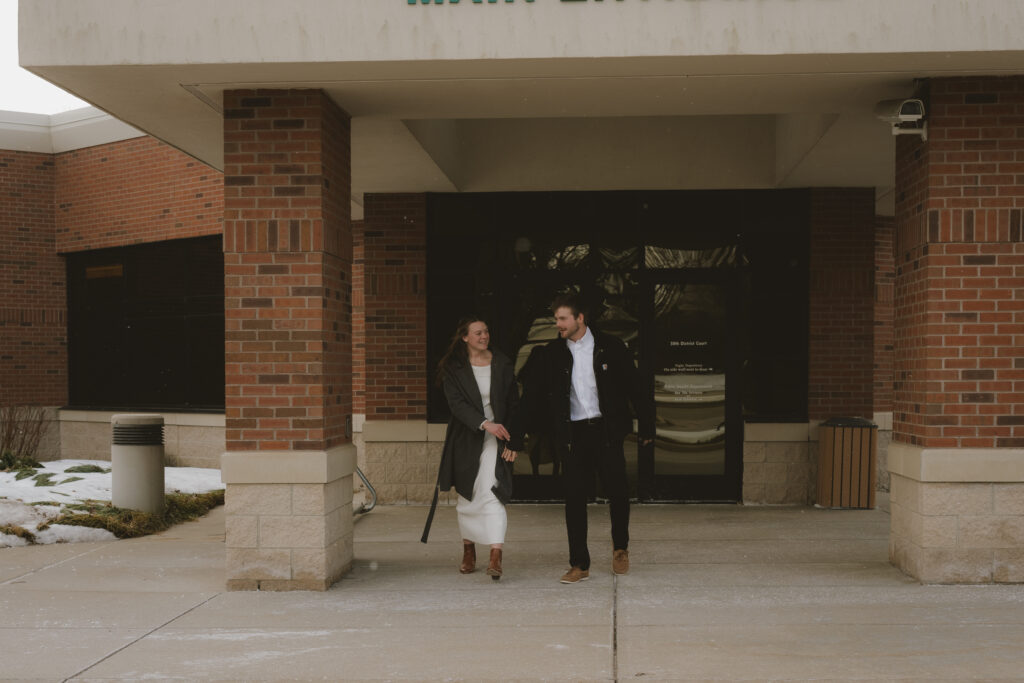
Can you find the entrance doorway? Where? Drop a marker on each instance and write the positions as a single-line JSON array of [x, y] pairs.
[[681, 327], [690, 358], [690, 281]]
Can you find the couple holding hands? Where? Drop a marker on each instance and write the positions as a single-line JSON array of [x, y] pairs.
[[577, 395]]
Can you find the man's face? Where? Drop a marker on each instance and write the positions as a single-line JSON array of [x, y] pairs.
[[569, 327]]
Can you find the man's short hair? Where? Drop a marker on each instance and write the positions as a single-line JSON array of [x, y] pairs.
[[570, 301]]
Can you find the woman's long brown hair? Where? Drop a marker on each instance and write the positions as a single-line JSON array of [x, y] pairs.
[[456, 349]]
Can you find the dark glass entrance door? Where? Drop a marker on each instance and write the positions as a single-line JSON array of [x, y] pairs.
[[680, 326], [690, 355]]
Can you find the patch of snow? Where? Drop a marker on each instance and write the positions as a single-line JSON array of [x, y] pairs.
[[63, 533], [16, 498]]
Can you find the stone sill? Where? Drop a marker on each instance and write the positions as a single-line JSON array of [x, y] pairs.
[[175, 419], [967, 465], [757, 432]]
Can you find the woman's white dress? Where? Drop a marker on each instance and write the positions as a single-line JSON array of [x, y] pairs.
[[483, 519]]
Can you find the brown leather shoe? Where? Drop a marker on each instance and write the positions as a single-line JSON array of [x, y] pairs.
[[494, 566], [575, 575], [620, 562], [468, 558]]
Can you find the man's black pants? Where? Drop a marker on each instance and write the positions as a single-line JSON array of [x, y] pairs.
[[591, 450]]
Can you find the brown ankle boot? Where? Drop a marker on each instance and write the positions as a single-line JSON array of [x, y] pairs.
[[468, 558], [494, 566]]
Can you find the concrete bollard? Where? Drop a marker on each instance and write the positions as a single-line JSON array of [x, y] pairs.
[[137, 462]]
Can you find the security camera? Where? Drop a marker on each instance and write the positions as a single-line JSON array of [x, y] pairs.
[[900, 111], [903, 115]]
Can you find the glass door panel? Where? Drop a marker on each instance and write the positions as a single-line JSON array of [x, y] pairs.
[[689, 379], [691, 359]]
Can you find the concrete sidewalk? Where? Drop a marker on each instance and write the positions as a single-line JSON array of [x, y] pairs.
[[715, 593]]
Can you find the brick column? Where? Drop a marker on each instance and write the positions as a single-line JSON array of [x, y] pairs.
[[401, 451], [781, 461], [957, 460], [885, 278], [33, 320], [288, 258], [33, 324], [842, 314]]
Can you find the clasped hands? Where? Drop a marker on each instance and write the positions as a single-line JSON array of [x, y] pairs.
[[499, 432]]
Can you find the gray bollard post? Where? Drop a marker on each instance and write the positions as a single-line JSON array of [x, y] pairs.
[[137, 462]]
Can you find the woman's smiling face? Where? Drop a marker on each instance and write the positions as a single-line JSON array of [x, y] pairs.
[[478, 337]]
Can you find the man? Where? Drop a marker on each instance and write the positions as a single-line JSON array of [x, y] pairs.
[[581, 399]]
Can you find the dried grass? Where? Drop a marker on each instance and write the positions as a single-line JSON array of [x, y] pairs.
[[123, 523], [14, 530]]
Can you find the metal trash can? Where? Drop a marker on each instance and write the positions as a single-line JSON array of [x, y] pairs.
[[137, 462], [847, 462]]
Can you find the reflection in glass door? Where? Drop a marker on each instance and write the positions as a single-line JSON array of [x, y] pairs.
[[690, 355], [689, 380]]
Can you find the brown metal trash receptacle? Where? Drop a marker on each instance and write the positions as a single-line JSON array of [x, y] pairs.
[[847, 461]]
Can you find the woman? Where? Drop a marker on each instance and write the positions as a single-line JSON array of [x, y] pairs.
[[481, 392]]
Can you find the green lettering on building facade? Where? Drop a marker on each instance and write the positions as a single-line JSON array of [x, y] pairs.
[[479, 2], [455, 2]]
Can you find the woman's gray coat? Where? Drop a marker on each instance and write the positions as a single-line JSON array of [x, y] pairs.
[[464, 441], [460, 459]]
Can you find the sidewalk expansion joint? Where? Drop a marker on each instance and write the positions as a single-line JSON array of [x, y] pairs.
[[615, 628], [18, 579], [142, 637]]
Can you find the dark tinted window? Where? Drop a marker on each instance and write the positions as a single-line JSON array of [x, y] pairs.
[[504, 256], [146, 326]]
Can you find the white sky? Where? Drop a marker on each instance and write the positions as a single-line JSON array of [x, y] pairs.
[[19, 89]]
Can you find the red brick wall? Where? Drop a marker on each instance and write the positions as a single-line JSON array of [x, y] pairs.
[[33, 327], [395, 298], [842, 303], [287, 243], [134, 191], [358, 323], [960, 269], [885, 276]]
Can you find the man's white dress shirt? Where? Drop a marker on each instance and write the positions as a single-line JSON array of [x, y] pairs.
[[583, 401]]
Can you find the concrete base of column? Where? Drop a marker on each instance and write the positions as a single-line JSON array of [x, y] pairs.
[[957, 515], [288, 518]]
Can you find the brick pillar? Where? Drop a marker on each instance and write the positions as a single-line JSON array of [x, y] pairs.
[[33, 324], [401, 450], [287, 258], [885, 278], [957, 460], [33, 319], [358, 348], [842, 315], [358, 323]]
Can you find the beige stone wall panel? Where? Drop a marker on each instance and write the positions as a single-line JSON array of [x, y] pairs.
[[790, 453], [309, 499], [1008, 499], [956, 499], [1009, 566], [258, 499], [991, 531], [241, 531], [753, 453], [258, 564], [955, 565], [419, 494], [293, 531]]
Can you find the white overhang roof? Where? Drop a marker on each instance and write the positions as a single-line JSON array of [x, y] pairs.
[[547, 94]]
